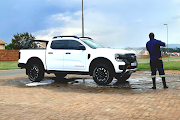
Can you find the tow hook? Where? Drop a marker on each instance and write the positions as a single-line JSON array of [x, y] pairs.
[[127, 64]]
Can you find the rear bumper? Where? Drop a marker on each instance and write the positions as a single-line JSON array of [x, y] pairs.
[[22, 65]]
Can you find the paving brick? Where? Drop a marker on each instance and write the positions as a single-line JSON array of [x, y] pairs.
[[68, 102]]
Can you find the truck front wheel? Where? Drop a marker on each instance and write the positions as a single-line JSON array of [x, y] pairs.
[[102, 74], [35, 72]]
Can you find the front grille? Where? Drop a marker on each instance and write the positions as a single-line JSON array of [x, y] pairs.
[[130, 57]]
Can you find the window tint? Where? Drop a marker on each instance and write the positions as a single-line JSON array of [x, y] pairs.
[[72, 44], [58, 44]]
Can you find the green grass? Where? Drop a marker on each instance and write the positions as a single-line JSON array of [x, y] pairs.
[[166, 58], [7, 65], [171, 65], [143, 60]]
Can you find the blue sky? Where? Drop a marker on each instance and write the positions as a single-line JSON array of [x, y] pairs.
[[114, 23]]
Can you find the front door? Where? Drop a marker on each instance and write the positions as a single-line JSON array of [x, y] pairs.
[[74, 59]]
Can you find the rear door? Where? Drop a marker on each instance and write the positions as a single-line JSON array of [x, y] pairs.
[[55, 55], [74, 59]]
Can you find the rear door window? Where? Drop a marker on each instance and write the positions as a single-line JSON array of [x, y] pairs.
[[59, 44]]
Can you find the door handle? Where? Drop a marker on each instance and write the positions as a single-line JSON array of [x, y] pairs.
[[68, 53], [50, 52]]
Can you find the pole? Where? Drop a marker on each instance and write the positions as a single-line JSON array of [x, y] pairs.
[[82, 21], [167, 41]]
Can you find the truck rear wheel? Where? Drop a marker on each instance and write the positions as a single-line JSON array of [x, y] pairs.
[[35, 72], [102, 74]]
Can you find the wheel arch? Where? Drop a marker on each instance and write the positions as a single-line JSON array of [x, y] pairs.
[[98, 60], [34, 60]]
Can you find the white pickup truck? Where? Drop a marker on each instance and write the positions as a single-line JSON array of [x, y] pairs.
[[76, 55]]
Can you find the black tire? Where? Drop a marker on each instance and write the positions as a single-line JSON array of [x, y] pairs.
[[102, 74], [123, 78], [60, 75], [35, 72]]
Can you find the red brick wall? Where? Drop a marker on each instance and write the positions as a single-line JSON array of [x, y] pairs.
[[9, 55]]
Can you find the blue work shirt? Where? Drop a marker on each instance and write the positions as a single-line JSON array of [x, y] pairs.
[[153, 46]]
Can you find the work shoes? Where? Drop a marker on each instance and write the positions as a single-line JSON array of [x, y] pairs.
[[153, 87]]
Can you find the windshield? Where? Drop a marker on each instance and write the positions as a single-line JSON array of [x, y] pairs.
[[92, 43]]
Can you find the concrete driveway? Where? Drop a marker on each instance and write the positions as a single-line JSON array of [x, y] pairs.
[[12, 72]]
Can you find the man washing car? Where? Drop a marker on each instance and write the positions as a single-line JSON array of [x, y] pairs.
[[153, 46]]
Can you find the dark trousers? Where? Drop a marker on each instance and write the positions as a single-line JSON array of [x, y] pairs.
[[157, 64]]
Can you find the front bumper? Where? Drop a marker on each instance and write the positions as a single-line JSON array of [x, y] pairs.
[[127, 67]]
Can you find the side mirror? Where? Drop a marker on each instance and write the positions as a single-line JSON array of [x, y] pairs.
[[81, 47]]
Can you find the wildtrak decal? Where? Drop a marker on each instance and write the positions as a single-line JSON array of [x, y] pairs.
[[79, 66]]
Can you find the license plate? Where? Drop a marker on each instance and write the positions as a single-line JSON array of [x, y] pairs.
[[133, 64]]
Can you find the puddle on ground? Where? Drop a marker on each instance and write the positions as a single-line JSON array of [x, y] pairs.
[[43, 82], [137, 82], [140, 83]]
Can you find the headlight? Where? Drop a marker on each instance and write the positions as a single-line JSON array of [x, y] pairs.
[[119, 57]]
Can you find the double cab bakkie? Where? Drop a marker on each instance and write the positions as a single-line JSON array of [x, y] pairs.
[[64, 55]]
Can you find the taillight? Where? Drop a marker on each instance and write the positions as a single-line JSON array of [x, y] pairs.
[[19, 55]]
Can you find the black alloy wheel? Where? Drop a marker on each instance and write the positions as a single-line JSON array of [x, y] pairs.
[[35, 73], [102, 75]]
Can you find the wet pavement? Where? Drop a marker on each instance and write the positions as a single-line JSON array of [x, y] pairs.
[[78, 97], [138, 82]]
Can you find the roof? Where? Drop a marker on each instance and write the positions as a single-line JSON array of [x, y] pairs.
[[71, 37], [2, 42], [41, 40]]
